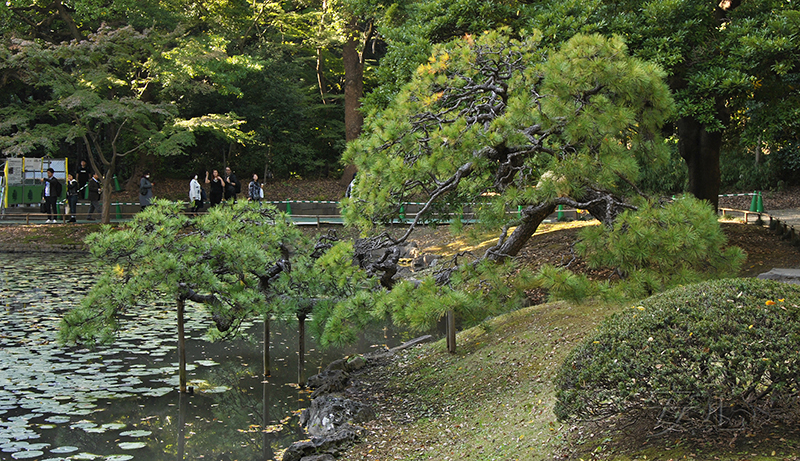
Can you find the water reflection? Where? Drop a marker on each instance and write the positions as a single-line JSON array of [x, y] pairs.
[[120, 402]]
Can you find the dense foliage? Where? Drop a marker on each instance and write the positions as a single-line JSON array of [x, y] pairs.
[[710, 356], [501, 122], [223, 260], [659, 246], [255, 62]]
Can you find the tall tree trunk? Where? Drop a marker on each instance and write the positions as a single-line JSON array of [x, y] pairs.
[[320, 76], [700, 149], [353, 87], [353, 82], [67, 18], [319, 69], [181, 347], [108, 186]]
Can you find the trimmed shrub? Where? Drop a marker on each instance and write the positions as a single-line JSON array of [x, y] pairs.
[[714, 355], [652, 249]]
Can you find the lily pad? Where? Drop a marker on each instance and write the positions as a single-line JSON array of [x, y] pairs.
[[135, 433], [119, 457], [85, 456], [131, 445], [64, 449], [114, 426], [215, 390], [27, 454]]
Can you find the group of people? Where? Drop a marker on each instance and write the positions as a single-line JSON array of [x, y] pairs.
[[85, 180], [225, 187]]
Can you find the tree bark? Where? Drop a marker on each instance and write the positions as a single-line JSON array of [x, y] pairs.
[[353, 61], [700, 149], [532, 217], [108, 186], [67, 18], [353, 82]]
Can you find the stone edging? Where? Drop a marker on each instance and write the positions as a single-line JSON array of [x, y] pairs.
[[41, 248], [332, 419]]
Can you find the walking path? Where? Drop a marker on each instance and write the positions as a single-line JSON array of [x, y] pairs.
[[790, 216]]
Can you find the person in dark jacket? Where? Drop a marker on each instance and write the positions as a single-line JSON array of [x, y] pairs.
[[254, 191], [84, 175], [95, 189], [145, 190], [72, 196], [51, 192], [232, 186]]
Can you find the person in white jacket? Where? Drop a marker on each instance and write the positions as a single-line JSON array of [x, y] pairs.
[[195, 195]]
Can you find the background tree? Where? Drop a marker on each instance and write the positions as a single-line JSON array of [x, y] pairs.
[[509, 125], [220, 57], [723, 59], [91, 92], [488, 118]]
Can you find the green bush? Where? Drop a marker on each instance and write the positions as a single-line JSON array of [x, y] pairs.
[[715, 355], [657, 247]]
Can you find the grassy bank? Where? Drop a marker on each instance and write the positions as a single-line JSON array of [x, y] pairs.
[[493, 400]]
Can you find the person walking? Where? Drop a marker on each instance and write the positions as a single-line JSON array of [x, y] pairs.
[[83, 175], [232, 186], [51, 192], [72, 197], [254, 191], [195, 195], [217, 185], [95, 189], [145, 190]]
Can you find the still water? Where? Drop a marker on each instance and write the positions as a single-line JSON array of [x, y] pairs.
[[120, 402]]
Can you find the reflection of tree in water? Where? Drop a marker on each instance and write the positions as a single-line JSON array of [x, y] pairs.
[[239, 419]]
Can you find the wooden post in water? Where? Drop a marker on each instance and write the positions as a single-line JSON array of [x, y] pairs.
[[451, 331], [181, 426], [181, 347], [301, 348], [266, 359]]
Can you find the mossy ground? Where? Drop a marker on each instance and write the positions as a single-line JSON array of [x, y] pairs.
[[493, 400]]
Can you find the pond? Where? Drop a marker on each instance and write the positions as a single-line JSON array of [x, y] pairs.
[[120, 402]]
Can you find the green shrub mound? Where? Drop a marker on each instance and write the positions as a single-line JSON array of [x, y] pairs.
[[710, 356]]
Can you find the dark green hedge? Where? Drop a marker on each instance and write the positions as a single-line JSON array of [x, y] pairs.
[[721, 354]]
